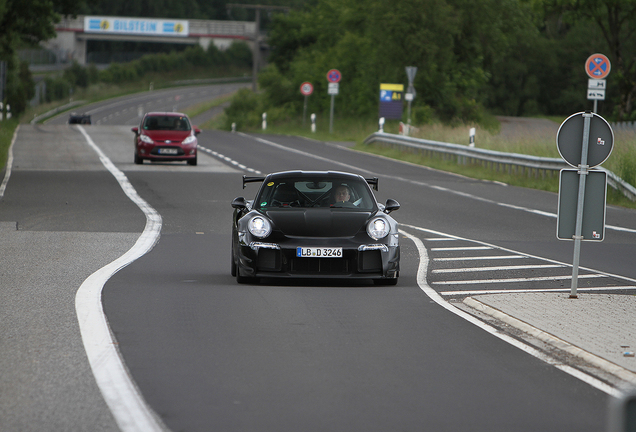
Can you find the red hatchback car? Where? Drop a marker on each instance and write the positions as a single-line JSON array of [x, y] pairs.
[[166, 136]]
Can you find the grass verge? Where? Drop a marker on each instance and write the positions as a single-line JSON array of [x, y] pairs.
[[7, 129]]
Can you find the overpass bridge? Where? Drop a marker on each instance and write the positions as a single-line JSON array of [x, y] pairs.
[[73, 33]]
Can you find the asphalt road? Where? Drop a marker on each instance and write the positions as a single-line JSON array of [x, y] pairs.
[[208, 354], [128, 110]]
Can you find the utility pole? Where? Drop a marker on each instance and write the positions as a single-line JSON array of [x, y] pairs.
[[257, 37]]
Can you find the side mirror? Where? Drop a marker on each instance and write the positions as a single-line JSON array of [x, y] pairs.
[[391, 205], [135, 130], [239, 203], [197, 131]]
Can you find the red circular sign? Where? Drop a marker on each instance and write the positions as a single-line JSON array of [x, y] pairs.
[[306, 89], [597, 66], [334, 76]]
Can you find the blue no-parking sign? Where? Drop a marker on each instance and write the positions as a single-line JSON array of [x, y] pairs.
[[597, 66], [334, 76]]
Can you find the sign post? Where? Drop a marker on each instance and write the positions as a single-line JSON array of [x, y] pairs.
[[584, 140], [306, 89], [333, 76], [410, 94], [597, 67]]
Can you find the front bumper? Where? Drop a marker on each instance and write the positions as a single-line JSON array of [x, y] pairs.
[[155, 152], [367, 261]]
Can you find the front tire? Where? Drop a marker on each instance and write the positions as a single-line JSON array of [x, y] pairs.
[[138, 160], [233, 265]]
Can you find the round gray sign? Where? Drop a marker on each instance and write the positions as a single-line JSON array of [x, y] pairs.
[[570, 140]]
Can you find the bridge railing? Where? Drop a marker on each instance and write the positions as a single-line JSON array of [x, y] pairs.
[[243, 29], [499, 161]]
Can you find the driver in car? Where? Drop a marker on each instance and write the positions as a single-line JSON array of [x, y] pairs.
[[342, 194]]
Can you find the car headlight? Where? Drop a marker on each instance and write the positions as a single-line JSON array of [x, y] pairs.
[[146, 139], [259, 226], [189, 140], [378, 228]]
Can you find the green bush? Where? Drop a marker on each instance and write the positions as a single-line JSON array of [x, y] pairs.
[[245, 110], [239, 54], [421, 115], [56, 88], [77, 75]]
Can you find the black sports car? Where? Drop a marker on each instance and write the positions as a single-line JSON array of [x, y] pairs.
[[306, 224]]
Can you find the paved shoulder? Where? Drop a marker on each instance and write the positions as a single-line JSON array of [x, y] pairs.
[[598, 328]]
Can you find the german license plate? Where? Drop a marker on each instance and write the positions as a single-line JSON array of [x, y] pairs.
[[170, 151], [319, 252]]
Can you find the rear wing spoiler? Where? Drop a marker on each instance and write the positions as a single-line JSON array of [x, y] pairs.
[[247, 179], [373, 182]]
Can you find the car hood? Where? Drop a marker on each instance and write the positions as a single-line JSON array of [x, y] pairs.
[[163, 135], [318, 222]]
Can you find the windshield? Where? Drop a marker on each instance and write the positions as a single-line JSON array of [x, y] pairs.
[[345, 193], [174, 123]]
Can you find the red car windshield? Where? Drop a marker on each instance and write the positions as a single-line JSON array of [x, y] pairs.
[[172, 123]]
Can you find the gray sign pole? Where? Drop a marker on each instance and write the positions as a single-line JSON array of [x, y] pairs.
[[583, 171], [410, 74], [331, 114]]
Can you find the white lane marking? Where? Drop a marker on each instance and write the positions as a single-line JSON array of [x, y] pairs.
[[531, 279], [500, 268], [462, 248], [433, 295], [7, 173], [124, 399], [486, 258], [293, 150], [230, 160], [592, 289], [511, 251]]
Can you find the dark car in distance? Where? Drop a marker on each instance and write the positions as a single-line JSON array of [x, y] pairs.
[[315, 224], [166, 136], [79, 119]]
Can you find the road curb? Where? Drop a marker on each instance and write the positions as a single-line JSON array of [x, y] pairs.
[[606, 365]]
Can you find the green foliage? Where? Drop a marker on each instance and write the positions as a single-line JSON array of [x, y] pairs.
[[26, 22], [7, 129], [20, 89], [245, 110], [238, 54], [79, 76], [454, 43], [422, 115], [56, 88]]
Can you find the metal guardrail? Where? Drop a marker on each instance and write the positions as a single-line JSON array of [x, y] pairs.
[[500, 161], [629, 126]]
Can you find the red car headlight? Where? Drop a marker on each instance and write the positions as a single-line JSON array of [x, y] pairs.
[[190, 140], [146, 139]]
